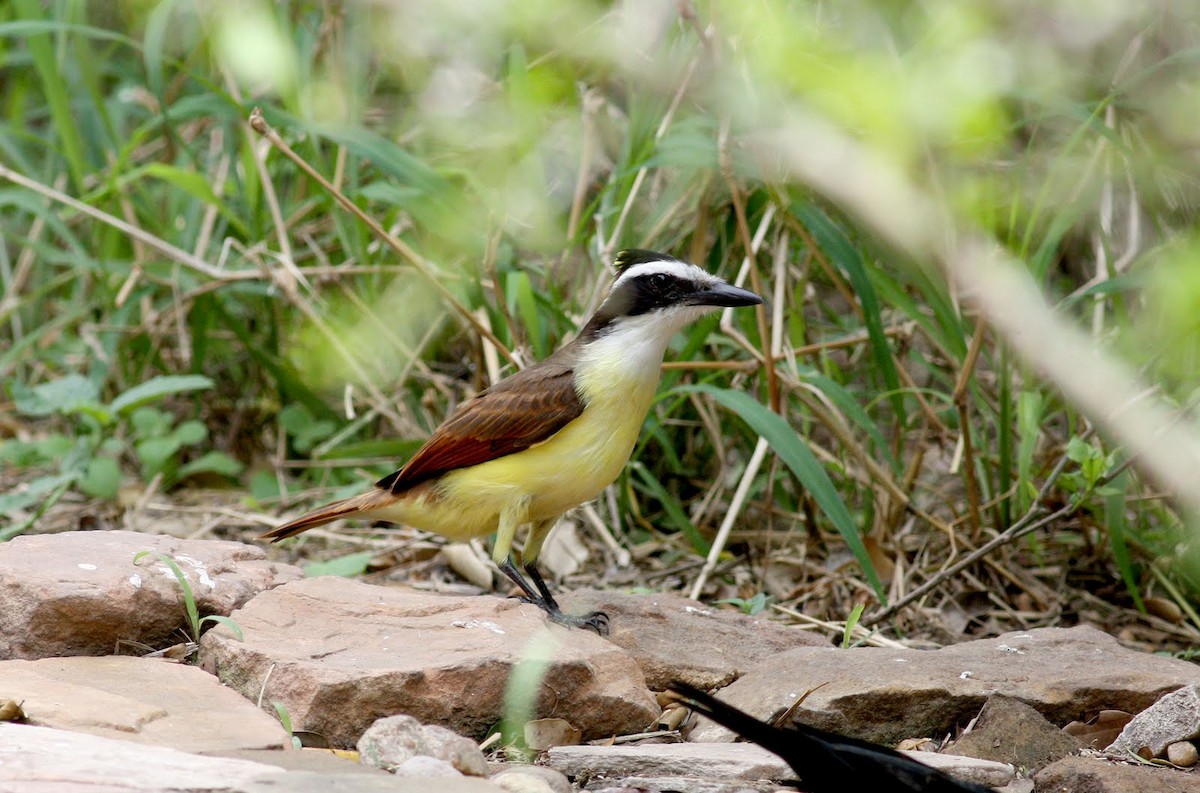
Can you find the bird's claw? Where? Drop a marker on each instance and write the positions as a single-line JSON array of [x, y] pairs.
[[596, 621]]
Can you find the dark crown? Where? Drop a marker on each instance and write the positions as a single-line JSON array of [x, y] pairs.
[[631, 256]]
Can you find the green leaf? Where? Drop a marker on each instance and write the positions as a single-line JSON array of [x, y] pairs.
[[674, 512], [305, 430], [846, 256], [37, 489], [102, 479], [228, 622], [158, 387], [150, 423], [212, 463], [190, 432], [26, 453], [348, 566], [263, 485], [796, 455], [851, 621], [155, 453], [65, 395]]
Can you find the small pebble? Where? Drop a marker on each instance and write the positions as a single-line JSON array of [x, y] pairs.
[[1183, 754]]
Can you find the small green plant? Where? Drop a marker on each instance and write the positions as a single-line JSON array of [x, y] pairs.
[[751, 605], [851, 622], [195, 621], [286, 720], [89, 457], [1094, 466]]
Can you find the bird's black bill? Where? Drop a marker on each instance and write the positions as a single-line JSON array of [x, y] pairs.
[[725, 296]]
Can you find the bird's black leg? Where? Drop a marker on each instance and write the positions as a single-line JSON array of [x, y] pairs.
[[597, 620], [541, 597]]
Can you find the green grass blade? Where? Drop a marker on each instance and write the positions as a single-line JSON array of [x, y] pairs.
[[847, 257], [670, 504], [56, 93], [1114, 518]]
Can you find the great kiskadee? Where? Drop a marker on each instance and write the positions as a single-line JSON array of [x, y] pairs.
[[550, 437], [826, 762]]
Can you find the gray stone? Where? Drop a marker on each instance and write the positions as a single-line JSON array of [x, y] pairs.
[[887, 695], [730, 762], [1175, 717], [339, 654], [676, 638], [145, 700], [1009, 731], [1097, 775], [553, 781], [80, 593], [43, 760], [391, 742]]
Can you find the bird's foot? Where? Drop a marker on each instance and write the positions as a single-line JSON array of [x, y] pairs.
[[596, 621]]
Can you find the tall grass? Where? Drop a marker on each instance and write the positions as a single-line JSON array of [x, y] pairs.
[[506, 152]]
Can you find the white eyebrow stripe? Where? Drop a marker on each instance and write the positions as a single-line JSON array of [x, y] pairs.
[[680, 270]]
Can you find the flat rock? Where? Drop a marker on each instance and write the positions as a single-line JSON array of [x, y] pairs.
[[339, 654], [886, 695], [324, 761], [138, 699], [1175, 717], [728, 763], [663, 631], [1096, 775], [1009, 731], [80, 593], [43, 760], [675, 784]]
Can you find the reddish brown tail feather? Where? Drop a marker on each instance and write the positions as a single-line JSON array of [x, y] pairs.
[[345, 508]]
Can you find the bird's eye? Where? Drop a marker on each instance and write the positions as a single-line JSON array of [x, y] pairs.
[[658, 281]]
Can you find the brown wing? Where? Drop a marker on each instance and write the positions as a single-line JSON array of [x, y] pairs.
[[512, 415]]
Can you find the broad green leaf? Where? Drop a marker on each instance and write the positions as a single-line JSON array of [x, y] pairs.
[[102, 479], [305, 430], [796, 455], [190, 432], [64, 395], [150, 422], [348, 566], [35, 492], [155, 453], [157, 388], [263, 485], [212, 463]]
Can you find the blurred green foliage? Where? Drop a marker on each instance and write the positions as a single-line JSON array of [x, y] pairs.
[[515, 146]]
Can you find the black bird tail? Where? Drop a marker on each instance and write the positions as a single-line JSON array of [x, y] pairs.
[[826, 762]]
